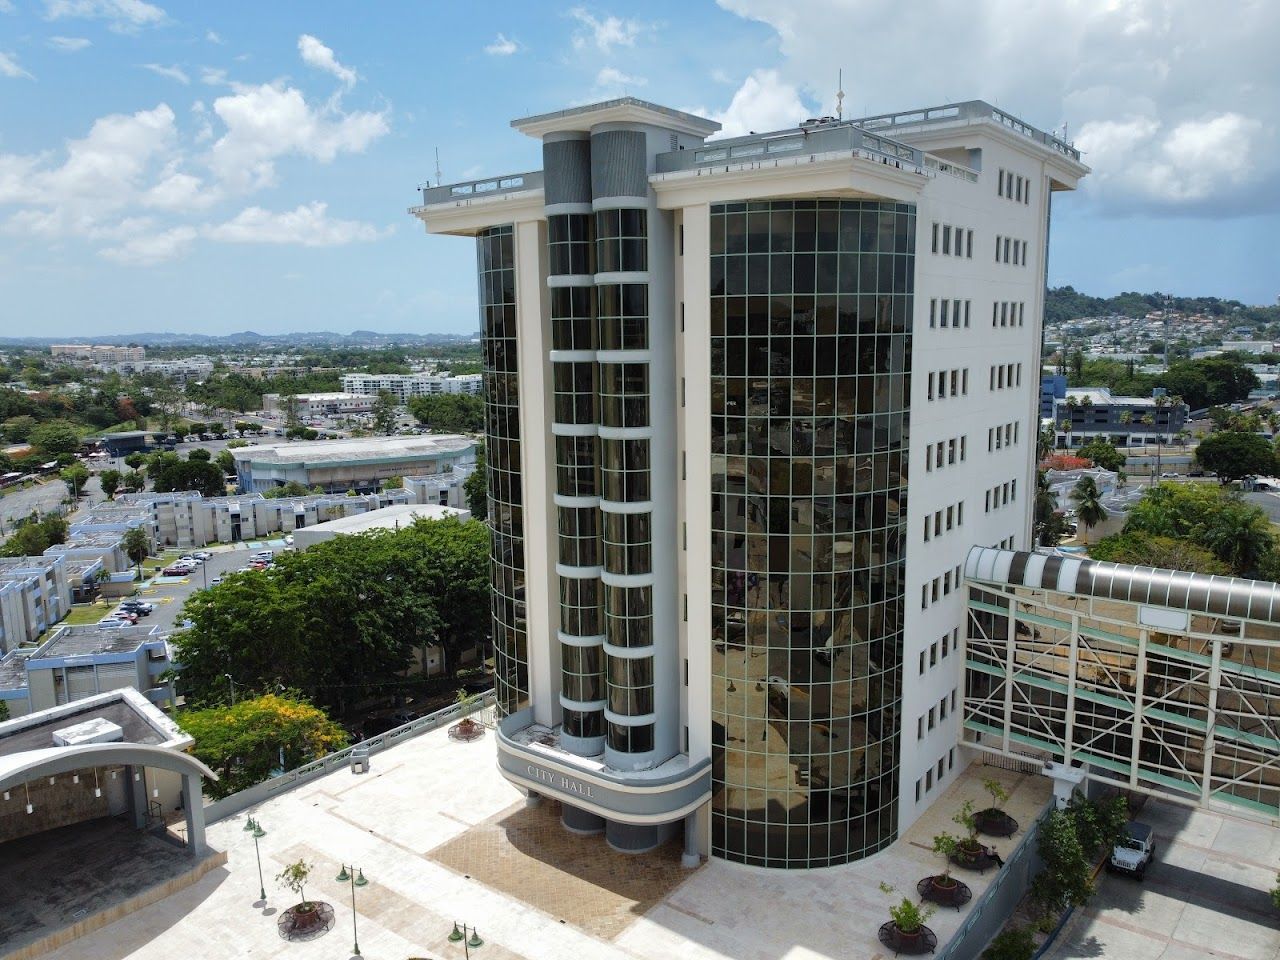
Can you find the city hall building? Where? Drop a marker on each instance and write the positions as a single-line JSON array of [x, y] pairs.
[[710, 370]]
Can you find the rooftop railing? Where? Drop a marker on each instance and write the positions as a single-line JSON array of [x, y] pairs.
[[472, 189], [968, 110], [831, 138]]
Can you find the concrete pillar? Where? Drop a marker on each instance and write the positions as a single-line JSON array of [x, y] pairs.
[[1065, 781], [691, 857], [194, 803], [579, 821], [532, 799], [135, 792]]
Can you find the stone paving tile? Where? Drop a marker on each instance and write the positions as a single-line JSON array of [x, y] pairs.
[[524, 852]]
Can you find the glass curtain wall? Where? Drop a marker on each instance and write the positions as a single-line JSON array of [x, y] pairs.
[[496, 266], [810, 370]]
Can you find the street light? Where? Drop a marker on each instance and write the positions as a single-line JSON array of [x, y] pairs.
[[258, 834], [356, 879], [460, 935], [233, 691]]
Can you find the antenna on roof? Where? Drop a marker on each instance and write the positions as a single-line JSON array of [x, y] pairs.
[[438, 178], [840, 95]]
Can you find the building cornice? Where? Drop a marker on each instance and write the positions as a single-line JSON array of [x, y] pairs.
[[468, 216]]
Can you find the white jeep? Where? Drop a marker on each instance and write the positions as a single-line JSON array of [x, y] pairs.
[[1135, 851]]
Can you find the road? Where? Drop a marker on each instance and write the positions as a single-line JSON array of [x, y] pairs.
[[40, 498]]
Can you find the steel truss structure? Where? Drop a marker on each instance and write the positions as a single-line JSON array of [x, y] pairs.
[[1161, 698]]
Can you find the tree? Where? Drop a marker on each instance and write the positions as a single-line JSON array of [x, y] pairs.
[[137, 545], [135, 461], [18, 429], [384, 413], [291, 488], [1064, 881], [1233, 455], [4, 714], [55, 437], [294, 877], [1167, 553], [1099, 824], [1012, 943], [225, 461], [245, 742], [393, 483], [200, 454], [1240, 537], [35, 535], [1088, 500], [476, 488], [135, 481], [1103, 454], [110, 480], [75, 477], [196, 475], [1237, 532], [1054, 530], [449, 412]]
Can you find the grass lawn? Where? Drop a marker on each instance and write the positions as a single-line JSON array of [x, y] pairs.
[[79, 615]]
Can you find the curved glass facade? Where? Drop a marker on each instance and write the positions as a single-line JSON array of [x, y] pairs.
[[810, 371], [495, 250]]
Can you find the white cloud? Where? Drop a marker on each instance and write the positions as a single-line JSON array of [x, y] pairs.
[[309, 226], [213, 76], [604, 33], [1176, 104], [173, 73], [152, 248], [69, 44], [502, 47], [316, 54], [124, 16], [212, 37], [764, 102], [179, 192], [610, 77], [270, 121], [9, 68]]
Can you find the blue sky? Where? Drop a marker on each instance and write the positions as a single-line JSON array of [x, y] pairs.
[[230, 166]]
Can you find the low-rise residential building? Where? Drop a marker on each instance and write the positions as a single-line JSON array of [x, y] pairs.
[[318, 404], [444, 489], [404, 386], [341, 465], [34, 595], [1084, 413], [96, 352], [83, 661]]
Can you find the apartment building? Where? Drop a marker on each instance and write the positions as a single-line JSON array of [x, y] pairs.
[[710, 369], [35, 593], [96, 352], [404, 386], [319, 404]]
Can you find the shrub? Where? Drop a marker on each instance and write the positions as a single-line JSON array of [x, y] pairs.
[[1014, 943]]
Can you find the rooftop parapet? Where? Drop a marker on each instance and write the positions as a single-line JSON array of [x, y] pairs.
[[967, 110]]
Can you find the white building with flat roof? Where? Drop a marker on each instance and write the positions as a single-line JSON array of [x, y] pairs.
[[405, 386], [361, 465], [318, 404], [711, 369]]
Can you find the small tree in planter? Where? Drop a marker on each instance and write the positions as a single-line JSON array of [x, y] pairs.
[[993, 820], [967, 848], [908, 923], [467, 728], [294, 877], [944, 888]]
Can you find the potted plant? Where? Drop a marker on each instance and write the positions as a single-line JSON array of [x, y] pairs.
[[466, 728], [993, 821], [294, 877], [943, 888], [907, 925], [968, 848]]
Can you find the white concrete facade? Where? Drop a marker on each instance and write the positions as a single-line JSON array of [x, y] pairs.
[[979, 183]]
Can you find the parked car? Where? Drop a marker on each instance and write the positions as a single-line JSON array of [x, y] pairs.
[[125, 615], [1135, 851], [202, 554], [112, 622], [176, 570], [138, 605]]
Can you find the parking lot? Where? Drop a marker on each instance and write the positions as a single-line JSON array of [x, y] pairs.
[[170, 593], [1206, 894]]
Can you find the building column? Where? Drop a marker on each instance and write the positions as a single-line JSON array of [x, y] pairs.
[[691, 858], [135, 792], [193, 800]]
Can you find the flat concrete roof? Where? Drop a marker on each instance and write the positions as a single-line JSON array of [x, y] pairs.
[[323, 452], [388, 518], [88, 639], [139, 721], [620, 110], [13, 670]]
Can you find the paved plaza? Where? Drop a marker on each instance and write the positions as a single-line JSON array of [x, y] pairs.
[[442, 837]]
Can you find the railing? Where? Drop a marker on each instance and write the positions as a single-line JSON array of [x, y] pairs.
[[970, 110], [996, 904], [811, 141], [259, 792], [472, 189], [951, 169]]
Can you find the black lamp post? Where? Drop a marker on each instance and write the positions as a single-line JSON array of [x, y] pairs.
[[356, 879]]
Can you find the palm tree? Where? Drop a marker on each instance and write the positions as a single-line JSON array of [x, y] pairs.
[[1238, 537], [1088, 499], [1066, 428]]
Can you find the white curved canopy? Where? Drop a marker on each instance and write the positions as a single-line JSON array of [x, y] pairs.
[[19, 768]]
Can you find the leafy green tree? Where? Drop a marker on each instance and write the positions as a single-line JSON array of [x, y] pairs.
[[56, 436], [18, 429], [1233, 455], [1103, 454], [203, 477], [449, 412], [1012, 943], [1054, 530], [135, 461], [4, 710], [290, 489], [35, 535], [225, 461], [1099, 824], [1236, 531], [393, 483], [136, 544], [75, 477], [1088, 500], [476, 487], [135, 481], [1065, 880], [1150, 550], [200, 454], [384, 413], [245, 742], [110, 480], [1241, 538]]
